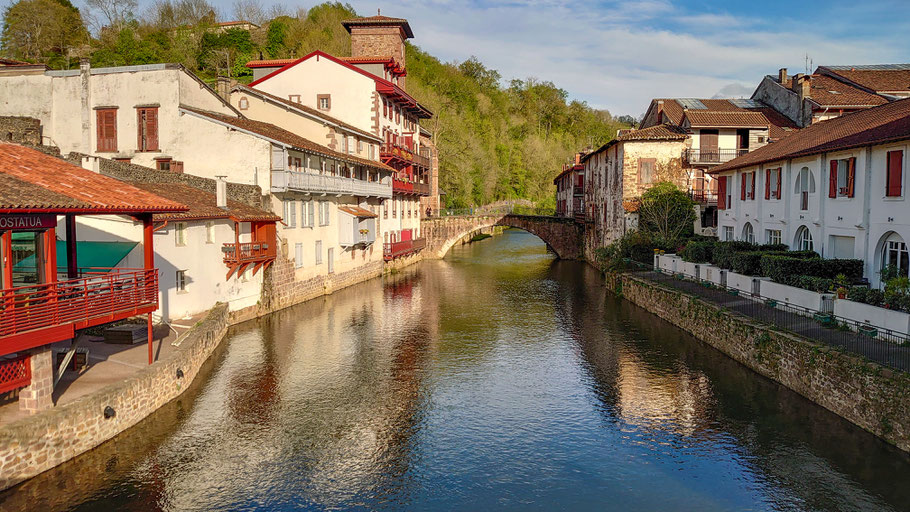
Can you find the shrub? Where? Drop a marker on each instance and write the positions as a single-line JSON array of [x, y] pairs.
[[875, 297], [747, 263], [786, 269], [858, 294], [698, 252], [724, 251], [815, 284]]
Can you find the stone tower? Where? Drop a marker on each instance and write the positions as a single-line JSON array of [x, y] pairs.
[[379, 36]]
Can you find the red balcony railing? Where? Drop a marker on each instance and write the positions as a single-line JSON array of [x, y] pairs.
[[400, 186], [248, 252], [400, 153], [100, 296], [15, 373], [393, 250]]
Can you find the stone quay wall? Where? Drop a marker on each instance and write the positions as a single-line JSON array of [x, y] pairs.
[[280, 289], [869, 395], [37, 443]]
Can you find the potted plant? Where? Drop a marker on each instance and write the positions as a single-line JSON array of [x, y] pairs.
[[840, 281]]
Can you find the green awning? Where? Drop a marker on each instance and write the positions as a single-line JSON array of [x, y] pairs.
[[88, 254]]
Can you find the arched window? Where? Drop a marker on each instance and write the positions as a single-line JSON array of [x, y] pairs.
[[748, 233], [805, 185], [804, 239], [895, 257]]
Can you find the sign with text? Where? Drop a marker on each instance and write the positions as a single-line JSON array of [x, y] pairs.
[[28, 222]]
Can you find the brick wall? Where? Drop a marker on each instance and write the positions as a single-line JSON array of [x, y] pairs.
[[870, 396], [20, 130]]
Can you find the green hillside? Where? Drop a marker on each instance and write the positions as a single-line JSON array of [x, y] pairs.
[[496, 141]]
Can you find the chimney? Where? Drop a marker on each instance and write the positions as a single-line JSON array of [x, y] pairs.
[[577, 158], [803, 86], [85, 98], [782, 76], [223, 88], [660, 111], [794, 86], [91, 163], [221, 192]]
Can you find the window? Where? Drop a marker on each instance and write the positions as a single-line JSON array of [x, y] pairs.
[[290, 213], [395, 208], [180, 234], [304, 215], [319, 252], [210, 232], [747, 186], [385, 209], [359, 146], [311, 213], [372, 152], [805, 185], [895, 255], [748, 233], [772, 183], [324, 213], [243, 104], [294, 98], [344, 144], [773, 236], [804, 239], [894, 178], [147, 125], [324, 101], [298, 255], [106, 121], [163, 164], [841, 177], [646, 170], [181, 281], [728, 233]]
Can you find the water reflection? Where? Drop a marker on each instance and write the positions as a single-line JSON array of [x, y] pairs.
[[498, 377]]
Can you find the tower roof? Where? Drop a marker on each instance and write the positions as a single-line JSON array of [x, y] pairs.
[[379, 21]]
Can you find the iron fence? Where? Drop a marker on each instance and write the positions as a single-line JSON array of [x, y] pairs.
[[884, 346]]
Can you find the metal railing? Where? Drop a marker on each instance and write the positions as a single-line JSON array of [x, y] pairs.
[[712, 156], [392, 250], [244, 252], [90, 300], [297, 181], [703, 196], [884, 346]]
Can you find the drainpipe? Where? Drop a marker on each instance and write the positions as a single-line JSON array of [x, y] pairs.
[[85, 72]]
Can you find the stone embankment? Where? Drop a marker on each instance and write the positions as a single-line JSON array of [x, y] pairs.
[[871, 396]]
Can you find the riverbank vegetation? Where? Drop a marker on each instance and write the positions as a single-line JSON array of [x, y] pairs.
[[497, 139]]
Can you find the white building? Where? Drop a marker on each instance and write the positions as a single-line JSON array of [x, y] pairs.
[[837, 187]]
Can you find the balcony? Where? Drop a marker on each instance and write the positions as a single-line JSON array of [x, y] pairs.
[[578, 190], [393, 250], [238, 256], [704, 196], [712, 156], [308, 183], [400, 186], [35, 315], [402, 155]]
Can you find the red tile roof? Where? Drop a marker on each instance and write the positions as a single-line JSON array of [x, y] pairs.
[[881, 79], [828, 92], [779, 125], [269, 63], [659, 132], [877, 125], [305, 108], [203, 205], [275, 133], [379, 20], [11, 62], [42, 182]]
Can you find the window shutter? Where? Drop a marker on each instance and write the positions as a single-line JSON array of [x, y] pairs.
[[832, 180], [851, 176], [311, 209], [780, 178], [742, 187], [753, 185], [106, 121], [722, 193], [894, 177], [767, 183], [152, 129]]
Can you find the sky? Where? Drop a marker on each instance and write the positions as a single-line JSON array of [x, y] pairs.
[[617, 55]]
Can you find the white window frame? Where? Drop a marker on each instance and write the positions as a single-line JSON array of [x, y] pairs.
[[804, 241], [728, 233], [180, 281], [210, 232], [298, 255], [748, 232], [773, 236], [318, 252], [180, 234]]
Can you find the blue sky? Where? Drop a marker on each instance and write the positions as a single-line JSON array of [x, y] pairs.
[[619, 54]]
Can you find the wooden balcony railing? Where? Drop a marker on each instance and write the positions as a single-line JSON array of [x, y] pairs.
[[31, 316], [712, 156], [400, 186], [393, 250], [704, 196], [402, 154], [297, 181], [248, 252], [15, 373]]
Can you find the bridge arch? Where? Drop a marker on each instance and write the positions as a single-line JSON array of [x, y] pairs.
[[562, 235]]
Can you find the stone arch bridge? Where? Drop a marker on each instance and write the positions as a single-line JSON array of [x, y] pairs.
[[563, 235]]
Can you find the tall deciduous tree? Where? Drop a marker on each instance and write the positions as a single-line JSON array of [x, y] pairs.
[[42, 30], [117, 13], [666, 212]]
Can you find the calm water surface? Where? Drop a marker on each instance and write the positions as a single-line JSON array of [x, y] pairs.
[[496, 378]]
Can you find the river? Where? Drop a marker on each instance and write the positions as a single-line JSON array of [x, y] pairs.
[[498, 377]]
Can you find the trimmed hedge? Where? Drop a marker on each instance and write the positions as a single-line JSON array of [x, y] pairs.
[[698, 252], [788, 269], [724, 252]]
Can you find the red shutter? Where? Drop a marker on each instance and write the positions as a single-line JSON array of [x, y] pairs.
[[722, 193], [851, 176], [177, 167], [780, 178], [832, 180], [895, 173], [753, 185], [151, 129], [106, 120], [742, 186], [767, 183]]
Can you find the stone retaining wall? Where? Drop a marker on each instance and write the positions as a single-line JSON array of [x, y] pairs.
[[280, 289], [873, 397], [37, 443]]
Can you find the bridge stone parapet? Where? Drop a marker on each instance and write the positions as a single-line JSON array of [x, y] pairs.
[[563, 235]]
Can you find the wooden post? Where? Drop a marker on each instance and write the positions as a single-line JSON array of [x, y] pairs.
[[72, 265], [6, 258], [148, 250], [50, 255]]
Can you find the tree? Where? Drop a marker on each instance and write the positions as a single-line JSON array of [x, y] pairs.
[[249, 10], [629, 120], [117, 12], [41, 30], [666, 212]]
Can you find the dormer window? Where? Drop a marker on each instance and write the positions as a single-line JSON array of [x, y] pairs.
[[295, 98], [243, 104]]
